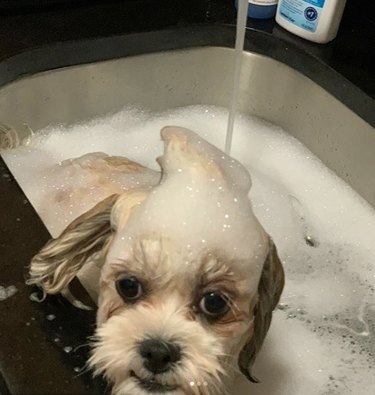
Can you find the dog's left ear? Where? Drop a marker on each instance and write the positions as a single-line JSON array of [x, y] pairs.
[[269, 290]]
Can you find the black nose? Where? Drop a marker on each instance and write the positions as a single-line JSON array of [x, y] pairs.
[[159, 355]]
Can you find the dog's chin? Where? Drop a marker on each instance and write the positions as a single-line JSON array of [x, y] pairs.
[[136, 385], [152, 385]]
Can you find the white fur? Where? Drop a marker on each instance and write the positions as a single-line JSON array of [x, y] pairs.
[[191, 232], [115, 352]]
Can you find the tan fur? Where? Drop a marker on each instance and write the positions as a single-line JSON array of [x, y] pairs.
[[174, 279], [79, 184], [115, 354], [269, 291], [60, 259]]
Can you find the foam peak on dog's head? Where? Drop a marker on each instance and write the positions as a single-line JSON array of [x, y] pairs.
[[185, 151], [201, 203]]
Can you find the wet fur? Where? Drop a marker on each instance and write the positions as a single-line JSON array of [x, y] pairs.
[[212, 350]]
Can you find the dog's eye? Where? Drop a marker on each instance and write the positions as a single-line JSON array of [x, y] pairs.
[[129, 288], [214, 304]]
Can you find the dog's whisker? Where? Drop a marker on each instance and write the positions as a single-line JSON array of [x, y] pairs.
[[81, 370], [81, 346]]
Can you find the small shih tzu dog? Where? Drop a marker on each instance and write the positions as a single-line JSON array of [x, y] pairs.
[[188, 276]]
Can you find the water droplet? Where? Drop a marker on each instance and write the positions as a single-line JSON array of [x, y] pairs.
[[77, 369], [310, 241], [50, 317], [68, 349]]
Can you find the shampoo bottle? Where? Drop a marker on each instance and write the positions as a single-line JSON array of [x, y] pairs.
[[261, 9], [314, 20]]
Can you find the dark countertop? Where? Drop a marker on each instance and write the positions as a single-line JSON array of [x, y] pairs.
[[352, 53], [32, 341]]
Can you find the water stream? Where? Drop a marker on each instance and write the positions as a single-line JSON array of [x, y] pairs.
[[240, 39]]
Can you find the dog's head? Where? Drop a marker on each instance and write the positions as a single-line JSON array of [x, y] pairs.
[[189, 280]]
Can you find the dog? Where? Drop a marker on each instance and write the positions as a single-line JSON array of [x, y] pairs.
[[188, 276]]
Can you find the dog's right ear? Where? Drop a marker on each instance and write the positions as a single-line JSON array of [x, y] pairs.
[[54, 267]]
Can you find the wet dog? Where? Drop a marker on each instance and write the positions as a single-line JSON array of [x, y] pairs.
[[188, 276]]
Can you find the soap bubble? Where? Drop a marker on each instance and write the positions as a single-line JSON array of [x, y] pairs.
[[322, 339]]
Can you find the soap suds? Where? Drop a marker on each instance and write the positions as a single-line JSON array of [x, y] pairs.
[[322, 338], [7, 292]]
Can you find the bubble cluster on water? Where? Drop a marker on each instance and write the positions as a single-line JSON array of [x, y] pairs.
[[68, 349], [7, 292], [321, 341]]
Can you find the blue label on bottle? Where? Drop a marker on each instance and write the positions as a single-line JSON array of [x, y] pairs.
[[318, 3], [302, 13]]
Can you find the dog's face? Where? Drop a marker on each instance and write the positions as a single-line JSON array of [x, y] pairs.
[[180, 302], [170, 330]]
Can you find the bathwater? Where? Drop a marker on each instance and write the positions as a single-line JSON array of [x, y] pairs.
[[321, 340]]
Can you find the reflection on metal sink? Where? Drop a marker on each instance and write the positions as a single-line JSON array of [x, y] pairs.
[[158, 81]]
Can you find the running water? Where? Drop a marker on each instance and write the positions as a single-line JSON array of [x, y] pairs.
[[321, 340], [240, 39]]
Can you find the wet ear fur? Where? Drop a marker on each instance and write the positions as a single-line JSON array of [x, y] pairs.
[[60, 259], [269, 290], [58, 262]]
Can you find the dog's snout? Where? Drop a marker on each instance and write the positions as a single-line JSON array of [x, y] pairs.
[[159, 355]]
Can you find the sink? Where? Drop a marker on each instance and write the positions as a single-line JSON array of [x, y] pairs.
[[75, 81], [202, 74]]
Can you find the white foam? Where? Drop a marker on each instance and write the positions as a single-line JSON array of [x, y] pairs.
[[7, 292], [322, 338]]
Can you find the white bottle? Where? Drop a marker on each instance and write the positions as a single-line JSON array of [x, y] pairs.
[[314, 20]]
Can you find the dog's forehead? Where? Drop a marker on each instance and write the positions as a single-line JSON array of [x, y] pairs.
[[188, 221], [201, 204], [156, 256], [200, 215]]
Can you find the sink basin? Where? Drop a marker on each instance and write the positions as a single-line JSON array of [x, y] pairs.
[[202, 74], [76, 81]]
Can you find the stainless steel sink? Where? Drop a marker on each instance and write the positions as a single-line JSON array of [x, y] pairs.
[[269, 89]]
